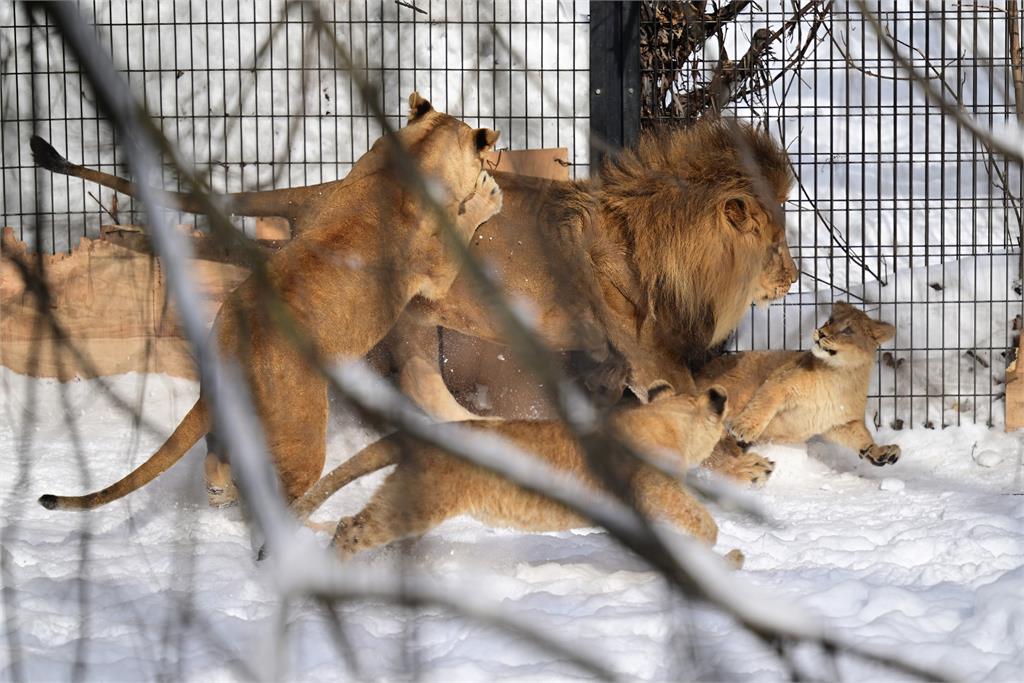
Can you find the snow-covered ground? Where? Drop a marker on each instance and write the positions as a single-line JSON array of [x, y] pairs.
[[923, 558]]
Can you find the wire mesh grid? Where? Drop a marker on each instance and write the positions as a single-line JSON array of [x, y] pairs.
[[257, 97], [895, 207]]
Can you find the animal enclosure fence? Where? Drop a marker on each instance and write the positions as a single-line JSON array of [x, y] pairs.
[[896, 207]]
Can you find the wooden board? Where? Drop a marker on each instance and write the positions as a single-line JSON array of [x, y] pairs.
[[109, 300], [1015, 390], [552, 163]]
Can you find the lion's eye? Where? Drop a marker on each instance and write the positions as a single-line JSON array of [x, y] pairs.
[[847, 331]]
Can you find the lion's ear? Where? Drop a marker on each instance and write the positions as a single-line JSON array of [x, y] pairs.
[[484, 138], [882, 332], [418, 106], [737, 212]]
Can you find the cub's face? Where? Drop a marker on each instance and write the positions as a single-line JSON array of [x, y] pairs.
[[850, 337], [447, 151]]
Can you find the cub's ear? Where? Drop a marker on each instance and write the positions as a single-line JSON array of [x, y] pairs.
[[842, 307], [484, 138], [418, 106], [737, 212], [717, 399], [659, 391], [882, 332]]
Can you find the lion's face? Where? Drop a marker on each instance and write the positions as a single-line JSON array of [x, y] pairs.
[[777, 276], [448, 152], [761, 233]]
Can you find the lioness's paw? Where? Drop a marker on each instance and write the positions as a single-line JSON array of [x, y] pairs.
[[485, 202], [881, 455]]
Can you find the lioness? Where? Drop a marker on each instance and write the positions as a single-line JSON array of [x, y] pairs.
[[429, 486], [658, 255], [792, 396], [369, 245]]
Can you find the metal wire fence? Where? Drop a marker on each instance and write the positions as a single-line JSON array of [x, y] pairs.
[[258, 98], [896, 207]]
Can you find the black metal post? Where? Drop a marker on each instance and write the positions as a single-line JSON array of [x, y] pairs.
[[614, 77]]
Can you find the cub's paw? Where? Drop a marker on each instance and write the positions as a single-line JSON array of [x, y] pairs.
[[745, 429], [881, 455], [734, 558], [749, 468]]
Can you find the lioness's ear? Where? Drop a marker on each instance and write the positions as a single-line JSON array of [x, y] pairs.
[[882, 332], [737, 212], [418, 106], [484, 138]]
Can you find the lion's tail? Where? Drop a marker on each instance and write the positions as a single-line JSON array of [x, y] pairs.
[[195, 424], [269, 203], [374, 457]]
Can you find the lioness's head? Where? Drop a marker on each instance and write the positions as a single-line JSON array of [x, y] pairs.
[[850, 337], [448, 152]]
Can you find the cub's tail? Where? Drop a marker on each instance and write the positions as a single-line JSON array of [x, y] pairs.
[[374, 457], [284, 203], [195, 424]]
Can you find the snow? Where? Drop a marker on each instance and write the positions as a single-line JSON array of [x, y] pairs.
[[922, 559]]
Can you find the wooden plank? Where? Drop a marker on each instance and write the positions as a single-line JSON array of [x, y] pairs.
[[551, 163], [1015, 390], [112, 303]]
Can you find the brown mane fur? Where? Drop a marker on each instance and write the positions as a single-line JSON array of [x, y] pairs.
[[693, 286]]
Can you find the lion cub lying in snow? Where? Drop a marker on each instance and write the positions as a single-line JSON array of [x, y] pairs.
[[429, 486], [791, 396]]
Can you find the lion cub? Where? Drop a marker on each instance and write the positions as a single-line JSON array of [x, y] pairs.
[[791, 396], [429, 486]]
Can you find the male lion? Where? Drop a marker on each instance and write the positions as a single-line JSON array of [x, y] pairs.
[[430, 486], [368, 246]]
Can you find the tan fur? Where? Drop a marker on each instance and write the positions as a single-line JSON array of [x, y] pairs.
[[659, 255], [369, 246], [429, 486], [792, 396]]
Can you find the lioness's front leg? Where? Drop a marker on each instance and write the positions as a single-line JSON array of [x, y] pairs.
[[855, 435]]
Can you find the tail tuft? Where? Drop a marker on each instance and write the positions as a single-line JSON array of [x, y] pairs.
[[48, 501], [47, 157]]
